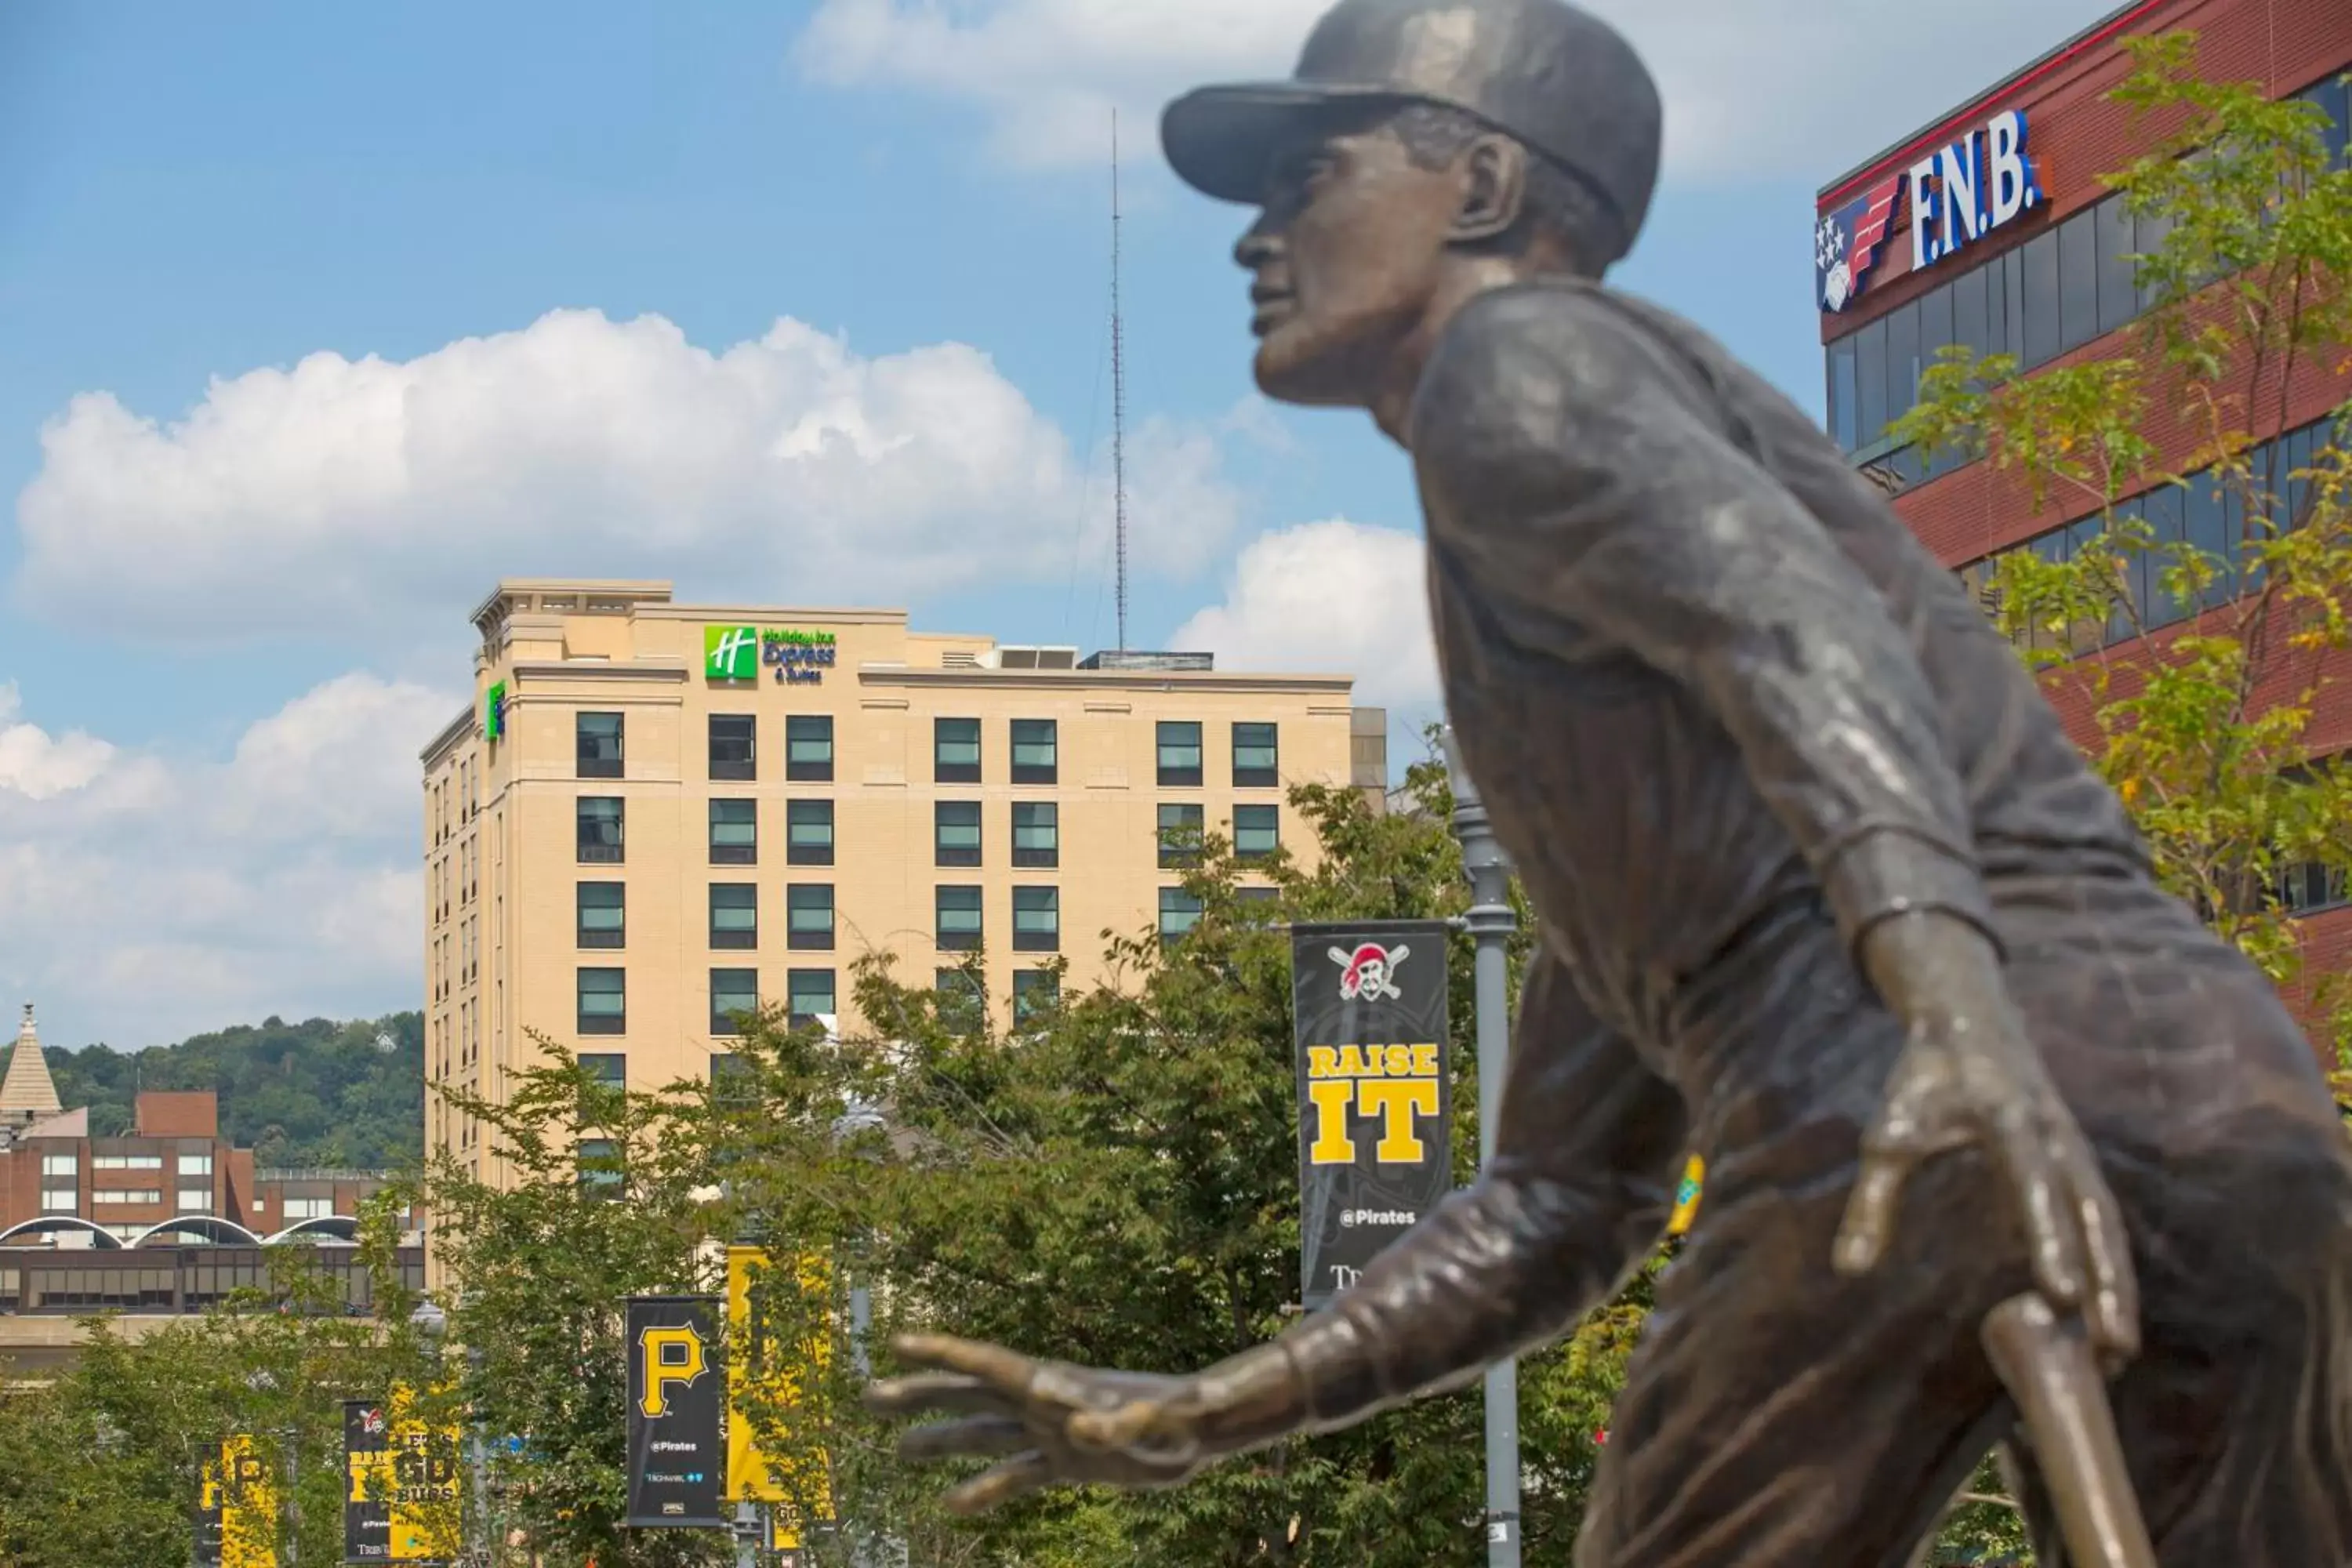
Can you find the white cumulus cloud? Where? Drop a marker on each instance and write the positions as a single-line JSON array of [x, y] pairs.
[[1752, 87], [1335, 596], [35, 764], [165, 894], [377, 498]]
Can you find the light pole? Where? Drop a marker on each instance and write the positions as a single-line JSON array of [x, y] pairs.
[[1491, 923]]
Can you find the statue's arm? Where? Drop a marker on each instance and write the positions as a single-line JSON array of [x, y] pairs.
[[1580, 482], [1587, 1153]]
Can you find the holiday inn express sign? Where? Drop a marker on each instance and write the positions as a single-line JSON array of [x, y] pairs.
[[1959, 194], [735, 653]]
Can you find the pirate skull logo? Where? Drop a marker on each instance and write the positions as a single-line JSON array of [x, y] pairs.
[[1367, 973]]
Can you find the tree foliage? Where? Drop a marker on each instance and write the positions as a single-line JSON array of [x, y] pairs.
[[2205, 731], [319, 1092], [101, 1467]]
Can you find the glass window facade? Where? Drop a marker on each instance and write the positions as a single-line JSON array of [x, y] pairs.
[[1037, 751], [808, 748], [808, 832], [2051, 295], [1036, 833]]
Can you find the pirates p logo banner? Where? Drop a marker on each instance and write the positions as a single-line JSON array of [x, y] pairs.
[[1367, 1002], [677, 1389]]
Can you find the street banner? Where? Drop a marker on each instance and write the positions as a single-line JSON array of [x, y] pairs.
[[208, 1515], [678, 1390], [401, 1502], [1375, 1107], [757, 1374], [249, 1505]]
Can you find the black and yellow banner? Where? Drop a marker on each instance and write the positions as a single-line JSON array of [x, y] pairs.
[[248, 1503], [208, 1515], [773, 1378], [401, 1498], [678, 1392], [1375, 1107]]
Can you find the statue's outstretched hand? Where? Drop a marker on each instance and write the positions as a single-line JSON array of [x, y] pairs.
[[1047, 1422]]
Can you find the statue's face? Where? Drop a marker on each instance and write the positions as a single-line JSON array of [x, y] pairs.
[[1343, 261]]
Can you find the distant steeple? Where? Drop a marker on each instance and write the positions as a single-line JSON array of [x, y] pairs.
[[28, 1094]]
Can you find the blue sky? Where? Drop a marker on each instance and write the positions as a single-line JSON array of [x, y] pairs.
[[275, 281]]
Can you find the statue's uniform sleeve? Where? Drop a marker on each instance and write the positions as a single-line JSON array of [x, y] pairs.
[[1579, 479], [1587, 1153]]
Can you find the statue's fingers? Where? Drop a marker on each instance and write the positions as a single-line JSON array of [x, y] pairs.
[[1016, 1476], [977, 1436], [1870, 1210], [1007, 1371], [935, 1393], [2032, 1154], [2111, 1305]]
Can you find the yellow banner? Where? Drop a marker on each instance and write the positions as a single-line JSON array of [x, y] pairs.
[[752, 1475], [427, 1523], [1687, 1197], [249, 1505]]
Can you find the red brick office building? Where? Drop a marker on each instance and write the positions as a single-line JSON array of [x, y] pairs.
[[2026, 251]]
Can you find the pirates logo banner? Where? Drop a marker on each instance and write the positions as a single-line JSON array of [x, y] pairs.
[[1375, 1108], [208, 1515], [401, 1500], [677, 1389]]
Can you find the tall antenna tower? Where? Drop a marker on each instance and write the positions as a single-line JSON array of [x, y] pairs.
[[1117, 396]]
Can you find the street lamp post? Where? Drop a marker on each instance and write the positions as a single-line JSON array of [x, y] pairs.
[[1491, 923]]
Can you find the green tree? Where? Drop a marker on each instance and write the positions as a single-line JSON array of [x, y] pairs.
[[1114, 1181], [2206, 729], [101, 1468], [611, 1200], [321, 1092]]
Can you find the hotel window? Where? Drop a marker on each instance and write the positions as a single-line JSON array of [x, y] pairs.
[[1036, 833], [808, 916], [955, 751], [955, 833], [599, 817], [1036, 920], [808, 994], [733, 993], [1179, 753], [1257, 831], [734, 748], [196, 1200], [734, 915], [195, 1164], [1036, 752], [1181, 831], [957, 914], [599, 1163], [610, 1068], [808, 748], [1256, 762], [808, 832], [602, 914], [734, 833], [598, 739], [68, 1166], [1180, 911], [1035, 991], [962, 1005], [602, 1001]]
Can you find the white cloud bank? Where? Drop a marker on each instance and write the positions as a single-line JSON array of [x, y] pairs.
[[379, 498], [1336, 597], [148, 897], [1793, 87]]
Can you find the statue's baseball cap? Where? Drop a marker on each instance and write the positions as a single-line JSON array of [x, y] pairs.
[[1552, 76]]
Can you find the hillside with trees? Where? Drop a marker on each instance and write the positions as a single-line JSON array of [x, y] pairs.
[[321, 1092]]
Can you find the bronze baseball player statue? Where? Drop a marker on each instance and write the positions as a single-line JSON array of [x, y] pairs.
[[1826, 895]]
